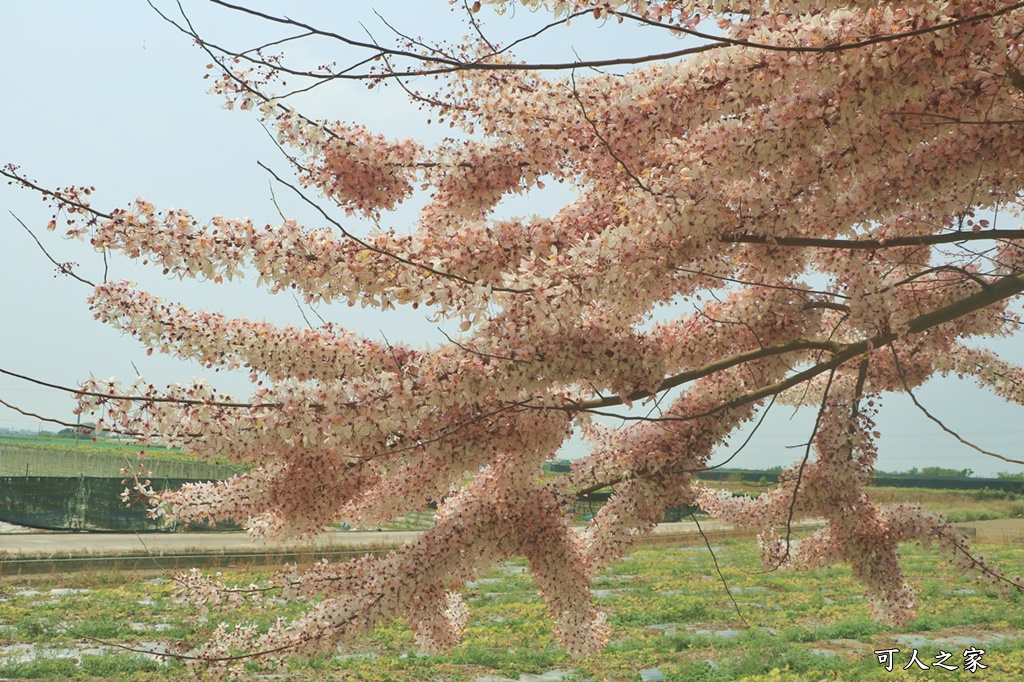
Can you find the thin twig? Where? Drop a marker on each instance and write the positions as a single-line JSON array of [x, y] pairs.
[[476, 352], [375, 249], [719, 571], [62, 267], [924, 410], [136, 398], [476, 26], [605, 142], [800, 470]]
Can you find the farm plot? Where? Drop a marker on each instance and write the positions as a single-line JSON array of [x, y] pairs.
[[671, 615]]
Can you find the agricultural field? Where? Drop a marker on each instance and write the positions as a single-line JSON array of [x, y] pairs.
[[959, 506], [671, 615], [672, 619], [57, 456], [87, 444]]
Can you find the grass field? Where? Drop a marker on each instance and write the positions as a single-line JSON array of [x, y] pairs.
[[53, 456], [671, 616], [957, 505], [86, 443]]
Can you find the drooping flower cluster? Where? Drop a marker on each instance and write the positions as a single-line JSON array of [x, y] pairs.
[[810, 183]]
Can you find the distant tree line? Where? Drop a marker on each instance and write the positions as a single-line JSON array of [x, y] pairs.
[[932, 471], [563, 466]]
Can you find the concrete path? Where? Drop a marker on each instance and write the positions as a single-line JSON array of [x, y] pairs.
[[53, 543], [26, 553], [48, 544]]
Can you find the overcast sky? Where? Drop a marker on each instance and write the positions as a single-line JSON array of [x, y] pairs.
[[106, 93]]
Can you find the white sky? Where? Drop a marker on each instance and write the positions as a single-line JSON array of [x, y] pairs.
[[105, 93]]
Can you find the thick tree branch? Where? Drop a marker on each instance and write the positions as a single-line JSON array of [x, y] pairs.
[[1003, 288], [881, 243], [444, 65], [838, 47]]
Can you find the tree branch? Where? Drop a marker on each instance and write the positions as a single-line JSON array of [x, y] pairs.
[[881, 243], [442, 65], [1003, 288], [137, 398]]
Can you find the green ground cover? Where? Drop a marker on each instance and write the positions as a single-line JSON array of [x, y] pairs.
[[87, 444], [959, 506], [58, 456], [670, 614]]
